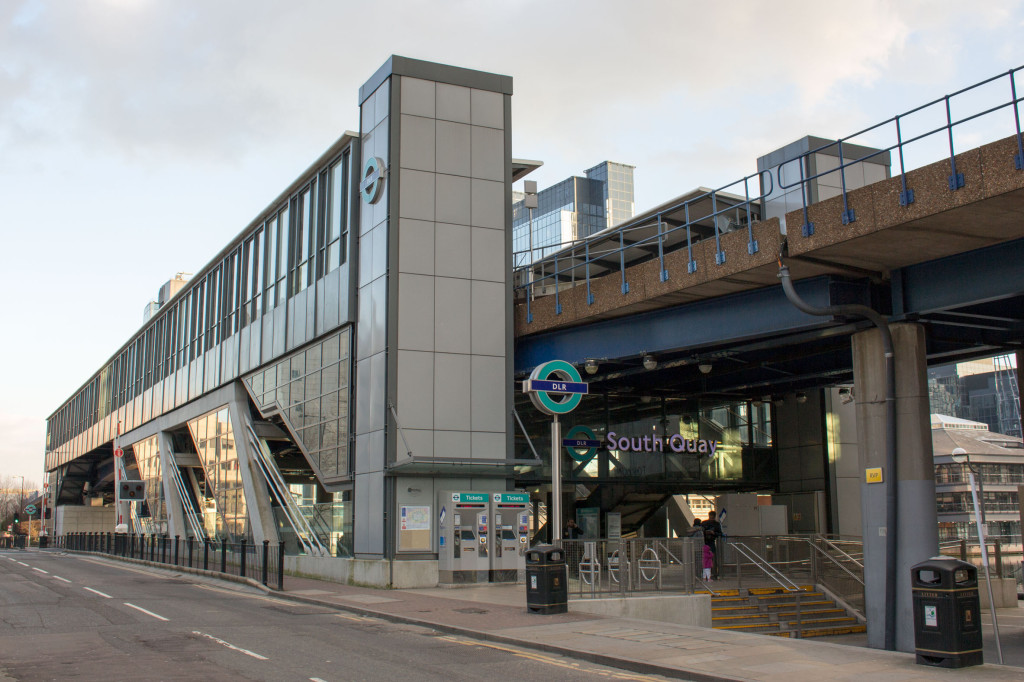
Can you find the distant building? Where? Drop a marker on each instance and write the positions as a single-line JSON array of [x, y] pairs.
[[982, 390], [999, 460], [572, 209], [168, 291]]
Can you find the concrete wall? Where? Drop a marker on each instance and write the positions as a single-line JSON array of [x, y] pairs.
[[370, 572], [687, 609], [78, 519], [843, 464], [1004, 592]]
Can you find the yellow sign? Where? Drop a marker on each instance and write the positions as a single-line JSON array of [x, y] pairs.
[[873, 475]]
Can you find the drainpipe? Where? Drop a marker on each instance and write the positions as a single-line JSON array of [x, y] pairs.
[[854, 310]]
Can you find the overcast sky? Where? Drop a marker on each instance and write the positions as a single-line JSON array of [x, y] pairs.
[[137, 137]]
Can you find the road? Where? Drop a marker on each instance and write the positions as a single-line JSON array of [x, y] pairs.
[[68, 616]]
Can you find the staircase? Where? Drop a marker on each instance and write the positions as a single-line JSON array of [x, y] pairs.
[[773, 611]]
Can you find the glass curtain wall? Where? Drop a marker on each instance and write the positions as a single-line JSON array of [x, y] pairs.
[[147, 457], [309, 389], [215, 442]]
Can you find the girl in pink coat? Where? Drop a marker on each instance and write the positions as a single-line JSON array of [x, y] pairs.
[[709, 561]]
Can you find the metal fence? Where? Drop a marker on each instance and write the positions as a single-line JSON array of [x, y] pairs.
[[1001, 562], [263, 563], [640, 565], [633, 566]]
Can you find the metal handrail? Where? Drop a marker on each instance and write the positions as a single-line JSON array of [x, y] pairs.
[[765, 566], [841, 551], [772, 178], [839, 564]]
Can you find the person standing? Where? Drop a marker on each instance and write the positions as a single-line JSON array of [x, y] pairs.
[[709, 562], [712, 531]]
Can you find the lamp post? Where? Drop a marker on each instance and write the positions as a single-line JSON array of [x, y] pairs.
[[961, 457]]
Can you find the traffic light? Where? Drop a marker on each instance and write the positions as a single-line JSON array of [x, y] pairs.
[[131, 491]]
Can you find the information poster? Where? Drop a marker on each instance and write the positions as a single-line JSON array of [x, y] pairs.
[[414, 528]]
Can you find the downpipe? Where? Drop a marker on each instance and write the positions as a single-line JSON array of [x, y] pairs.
[[891, 499]]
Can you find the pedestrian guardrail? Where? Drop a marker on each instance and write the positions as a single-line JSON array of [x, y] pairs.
[[263, 563]]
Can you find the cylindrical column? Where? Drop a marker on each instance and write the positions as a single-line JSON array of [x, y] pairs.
[[917, 525]]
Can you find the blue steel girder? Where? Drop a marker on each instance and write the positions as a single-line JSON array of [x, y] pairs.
[[974, 277], [721, 321]]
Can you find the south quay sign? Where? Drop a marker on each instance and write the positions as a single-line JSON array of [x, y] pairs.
[[674, 443]]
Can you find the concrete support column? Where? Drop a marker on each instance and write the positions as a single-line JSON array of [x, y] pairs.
[[257, 497], [917, 532]]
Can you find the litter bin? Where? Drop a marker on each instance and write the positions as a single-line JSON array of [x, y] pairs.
[[44, 542], [947, 613], [547, 589]]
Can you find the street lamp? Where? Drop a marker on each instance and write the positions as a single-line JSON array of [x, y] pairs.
[[961, 457]]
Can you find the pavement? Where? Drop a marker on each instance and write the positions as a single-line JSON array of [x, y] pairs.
[[497, 613]]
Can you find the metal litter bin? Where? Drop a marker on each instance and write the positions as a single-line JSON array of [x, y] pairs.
[[547, 589], [947, 613]]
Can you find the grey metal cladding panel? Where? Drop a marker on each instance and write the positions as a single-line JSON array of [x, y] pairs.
[[431, 71], [368, 515], [243, 346], [280, 331], [310, 313], [255, 336], [289, 342], [317, 294], [267, 351]]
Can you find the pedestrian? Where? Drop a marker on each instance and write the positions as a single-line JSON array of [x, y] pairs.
[[697, 531], [572, 531], [712, 531], [709, 561]]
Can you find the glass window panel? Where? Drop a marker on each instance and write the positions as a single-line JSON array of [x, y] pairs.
[[312, 385], [297, 391], [313, 357], [330, 377], [330, 406], [331, 346], [270, 379], [256, 383], [329, 431], [298, 366]]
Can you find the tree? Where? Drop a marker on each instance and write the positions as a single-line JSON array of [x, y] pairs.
[[11, 497]]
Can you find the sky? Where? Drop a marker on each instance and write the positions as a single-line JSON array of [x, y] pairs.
[[138, 137]]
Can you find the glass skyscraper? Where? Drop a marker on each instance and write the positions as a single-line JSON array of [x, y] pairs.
[[572, 209]]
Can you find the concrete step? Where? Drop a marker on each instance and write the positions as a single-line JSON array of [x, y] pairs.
[[791, 606], [828, 632], [751, 627], [835, 621]]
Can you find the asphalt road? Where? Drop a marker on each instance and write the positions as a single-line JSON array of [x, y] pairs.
[[76, 617]]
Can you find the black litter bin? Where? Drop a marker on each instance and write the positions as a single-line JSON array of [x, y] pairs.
[[44, 542], [947, 613], [546, 584]]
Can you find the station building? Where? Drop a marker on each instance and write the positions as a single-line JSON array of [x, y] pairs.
[[354, 353]]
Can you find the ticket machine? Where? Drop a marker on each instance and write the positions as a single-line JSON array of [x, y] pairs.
[[463, 550], [510, 536]]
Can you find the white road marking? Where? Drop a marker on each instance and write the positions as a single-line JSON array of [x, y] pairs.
[[59, 578], [40, 570], [316, 679], [105, 596], [148, 613], [21, 562], [229, 645]]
